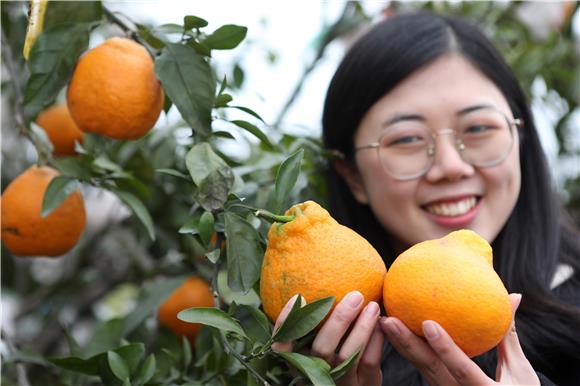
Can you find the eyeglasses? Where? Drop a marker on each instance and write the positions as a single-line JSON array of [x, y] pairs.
[[406, 149]]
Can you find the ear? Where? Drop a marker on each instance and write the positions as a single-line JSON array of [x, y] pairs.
[[353, 179]]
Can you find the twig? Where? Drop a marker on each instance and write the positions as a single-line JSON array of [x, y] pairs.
[[238, 356], [20, 367]]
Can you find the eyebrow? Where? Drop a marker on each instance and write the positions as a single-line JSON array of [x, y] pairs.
[[418, 117]]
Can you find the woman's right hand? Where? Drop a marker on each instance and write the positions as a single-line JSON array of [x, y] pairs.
[[365, 334]]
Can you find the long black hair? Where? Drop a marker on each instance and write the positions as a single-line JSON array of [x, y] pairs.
[[535, 238]]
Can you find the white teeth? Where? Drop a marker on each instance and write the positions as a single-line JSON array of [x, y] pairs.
[[452, 209]]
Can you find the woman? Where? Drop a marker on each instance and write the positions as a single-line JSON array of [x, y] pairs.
[[436, 134]]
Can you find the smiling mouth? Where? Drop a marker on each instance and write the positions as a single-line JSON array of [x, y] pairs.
[[452, 209]]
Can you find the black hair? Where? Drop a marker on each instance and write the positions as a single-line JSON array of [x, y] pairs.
[[533, 241]]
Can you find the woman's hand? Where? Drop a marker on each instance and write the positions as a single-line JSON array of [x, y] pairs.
[[365, 334], [441, 362]]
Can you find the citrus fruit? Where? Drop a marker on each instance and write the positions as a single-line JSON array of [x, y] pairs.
[[60, 129], [114, 91], [451, 281], [316, 257], [193, 292], [24, 231]]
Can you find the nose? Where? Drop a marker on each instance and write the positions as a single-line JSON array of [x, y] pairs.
[[448, 163]]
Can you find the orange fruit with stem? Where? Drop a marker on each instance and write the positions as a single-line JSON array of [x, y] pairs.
[[316, 257]]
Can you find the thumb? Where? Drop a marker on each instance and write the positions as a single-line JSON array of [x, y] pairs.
[[512, 364], [285, 346]]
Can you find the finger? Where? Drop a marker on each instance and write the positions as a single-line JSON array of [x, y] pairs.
[[512, 364], [285, 346], [330, 334], [357, 340], [459, 365], [416, 351], [369, 366]]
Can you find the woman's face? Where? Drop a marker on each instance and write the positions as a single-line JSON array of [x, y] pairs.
[[452, 194]]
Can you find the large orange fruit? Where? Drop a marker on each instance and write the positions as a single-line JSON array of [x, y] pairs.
[[24, 231], [315, 256], [194, 292], [451, 281], [114, 91], [60, 129]]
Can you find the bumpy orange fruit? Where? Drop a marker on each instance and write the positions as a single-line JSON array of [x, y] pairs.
[[451, 281], [60, 129], [315, 256]]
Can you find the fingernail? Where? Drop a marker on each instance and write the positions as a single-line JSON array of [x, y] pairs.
[[518, 301], [372, 309], [354, 299], [391, 327], [430, 330]]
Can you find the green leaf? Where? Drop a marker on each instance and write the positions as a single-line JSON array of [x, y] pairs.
[[75, 167], [52, 60], [301, 320], [214, 255], [191, 22], [186, 348], [146, 34], [206, 227], [244, 252], [191, 227], [212, 176], [147, 370], [313, 369], [188, 81], [57, 191], [345, 365], [222, 100], [174, 173], [211, 317], [106, 336], [286, 179], [247, 111], [149, 300], [118, 365], [58, 12], [255, 131], [223, 134], [226, 37], [257, 324], [138, 209]]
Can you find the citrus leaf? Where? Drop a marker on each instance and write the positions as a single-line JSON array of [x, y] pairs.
[[189, 82], [59, 12], [286, 178], [57, 191], [118, 365], [52, 61], [186, 349], [191, 22], [173, 172], [149, 300], [223, 99], [147, 370], [257, 325], [345, 365], [206, 228], [212, 176], [190, 227], [244, 252], [211, 317], [313, 369], [138, 209], [301, 320], [255, 131], [247, 111], [226, 37]]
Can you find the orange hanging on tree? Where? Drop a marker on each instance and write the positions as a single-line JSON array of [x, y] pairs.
[[114, 90], [24, 231], [60, 128]]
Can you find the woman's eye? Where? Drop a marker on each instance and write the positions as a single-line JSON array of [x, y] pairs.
[[477, 129], [408, 139]]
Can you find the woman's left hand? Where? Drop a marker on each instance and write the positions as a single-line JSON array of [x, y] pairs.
[[442, 362]]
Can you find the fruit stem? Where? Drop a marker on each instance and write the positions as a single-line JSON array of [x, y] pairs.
[[271, 217]]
